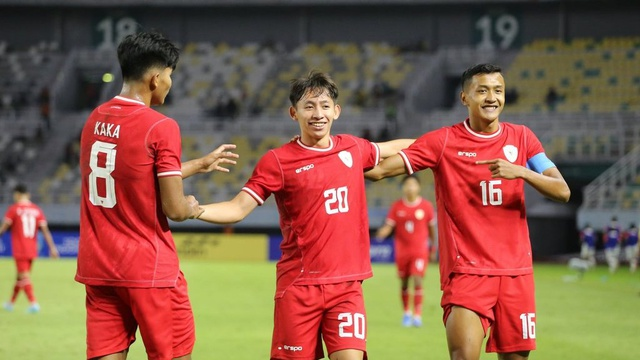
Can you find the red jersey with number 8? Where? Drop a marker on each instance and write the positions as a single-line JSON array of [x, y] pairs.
[[470, 201], [321, 199], [124, 235], [25, 219]]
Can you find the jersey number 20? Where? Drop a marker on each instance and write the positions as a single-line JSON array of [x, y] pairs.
[[102, 172], [337, 200]]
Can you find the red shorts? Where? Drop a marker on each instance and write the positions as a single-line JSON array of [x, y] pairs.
[[24, 265], [412, 265], [307, 314], [504, 303], [164, 316]]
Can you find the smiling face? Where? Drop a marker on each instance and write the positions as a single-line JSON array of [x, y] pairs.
[[484, 97], [315, 113]]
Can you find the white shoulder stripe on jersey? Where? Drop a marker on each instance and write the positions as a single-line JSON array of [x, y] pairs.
[[170, 173], [253, 195], [377, 147], [407, 163]]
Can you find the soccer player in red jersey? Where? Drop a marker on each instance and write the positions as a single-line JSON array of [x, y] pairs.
[[480, 167], [413, 219], [131, 182], [25, 218], [318, 184]]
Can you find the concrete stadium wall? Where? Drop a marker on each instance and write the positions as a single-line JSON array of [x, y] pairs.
[[435, 25]]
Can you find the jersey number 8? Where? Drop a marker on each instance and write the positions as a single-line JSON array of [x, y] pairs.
[[102, 172]]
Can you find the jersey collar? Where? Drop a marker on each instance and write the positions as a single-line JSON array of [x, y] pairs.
[[129, 100], [315, 148], [481, 135]]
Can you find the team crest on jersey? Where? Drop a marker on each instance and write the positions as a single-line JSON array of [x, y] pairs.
[[346, 158], [511, 152], [419, 214]]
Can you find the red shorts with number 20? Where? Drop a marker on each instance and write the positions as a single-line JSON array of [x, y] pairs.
[[306, 314]]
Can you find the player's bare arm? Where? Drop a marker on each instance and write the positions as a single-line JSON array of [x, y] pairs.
[[391, 166], [175, 205], [213, 161], [4, 227], [389, 148], [229, 212], [384, 231], [53, 251], [550, 183]]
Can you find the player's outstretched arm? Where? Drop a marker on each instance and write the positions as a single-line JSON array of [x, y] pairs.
[[550, 183], [389, 148], [210, 162], [53, 251], [229, 212], [391, 166]]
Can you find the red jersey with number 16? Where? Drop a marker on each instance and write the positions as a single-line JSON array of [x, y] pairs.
[[482, 224], [124, 235], [411, 226], [321, 199], [25, 219]]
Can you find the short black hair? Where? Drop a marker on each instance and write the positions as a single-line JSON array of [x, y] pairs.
[[468, 74], [412, 176], [316, 81], [137, 53], [21, 189]]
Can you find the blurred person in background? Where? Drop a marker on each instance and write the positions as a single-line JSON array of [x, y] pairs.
[[630, 238], [412, 218], [25, 218], [588, 245], [611, 238]]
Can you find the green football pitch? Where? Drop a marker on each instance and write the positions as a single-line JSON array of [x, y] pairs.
[[596, 317]]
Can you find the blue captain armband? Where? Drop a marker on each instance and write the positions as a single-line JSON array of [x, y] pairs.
[[540, 163]]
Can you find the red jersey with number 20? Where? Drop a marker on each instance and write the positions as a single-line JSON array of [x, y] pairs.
[[25, 219], [124, 235], [482, 224], [321, 199], [410, 222]]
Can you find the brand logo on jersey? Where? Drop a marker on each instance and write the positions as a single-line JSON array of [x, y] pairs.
[[511, 152], [304, 168], [292, 348], [346, 158], [419, 214], [467, 154]]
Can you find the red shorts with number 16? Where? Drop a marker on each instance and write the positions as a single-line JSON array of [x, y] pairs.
[[306, 314]]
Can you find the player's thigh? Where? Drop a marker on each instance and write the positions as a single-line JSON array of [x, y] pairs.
[[23, 266], [478, 293], [403, 266], [514, 328], [111, 326], [418, 265], [296, 323], [344, 325], [165, 319]]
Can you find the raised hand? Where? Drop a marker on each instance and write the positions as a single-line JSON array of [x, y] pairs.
[[216, 158]]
